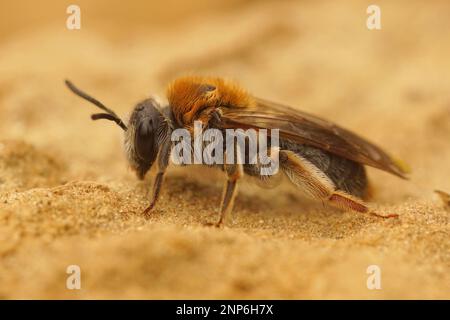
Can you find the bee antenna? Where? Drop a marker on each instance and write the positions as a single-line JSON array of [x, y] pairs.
[[109, 115]]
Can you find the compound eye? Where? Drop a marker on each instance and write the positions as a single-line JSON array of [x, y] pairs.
[[145, 128], [145, 144]]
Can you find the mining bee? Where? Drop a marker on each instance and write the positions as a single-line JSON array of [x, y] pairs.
[[322, 159]]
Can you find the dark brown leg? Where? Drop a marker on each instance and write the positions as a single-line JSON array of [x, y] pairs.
[[163, 162], [234, 172], [229, 194], [155, 193]]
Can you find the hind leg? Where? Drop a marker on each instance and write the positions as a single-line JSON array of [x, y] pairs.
[[318, 185]]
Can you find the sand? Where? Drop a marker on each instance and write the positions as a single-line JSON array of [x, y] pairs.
[[67, 196]]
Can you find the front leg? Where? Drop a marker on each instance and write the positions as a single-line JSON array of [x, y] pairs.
[[163, 162], [155, 194]]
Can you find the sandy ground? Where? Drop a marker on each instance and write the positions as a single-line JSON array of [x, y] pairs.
[[67, 197]]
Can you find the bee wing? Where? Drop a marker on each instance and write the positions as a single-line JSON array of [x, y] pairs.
[[307, 129]]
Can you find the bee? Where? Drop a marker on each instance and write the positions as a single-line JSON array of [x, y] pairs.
[[322, 159]]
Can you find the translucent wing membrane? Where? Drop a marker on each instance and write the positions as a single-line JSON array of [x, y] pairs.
[[310, 130]]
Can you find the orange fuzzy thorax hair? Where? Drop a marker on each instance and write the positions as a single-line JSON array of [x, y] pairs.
[[195, 98]]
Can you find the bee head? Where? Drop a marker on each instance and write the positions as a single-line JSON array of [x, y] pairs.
[[147, 130]]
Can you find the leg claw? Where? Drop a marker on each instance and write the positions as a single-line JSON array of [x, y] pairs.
[[147, 212]]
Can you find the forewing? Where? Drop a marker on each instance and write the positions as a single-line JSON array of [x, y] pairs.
[[307, 129]]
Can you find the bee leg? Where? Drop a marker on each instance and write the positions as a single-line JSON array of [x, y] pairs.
[[155, 193], [163, 162], [317, 185], [345, 201], [234, 172]]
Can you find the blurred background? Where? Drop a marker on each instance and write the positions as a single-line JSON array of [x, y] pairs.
[[317, 56], [65, 187]]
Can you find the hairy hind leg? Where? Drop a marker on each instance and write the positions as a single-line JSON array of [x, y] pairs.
[[318, 185], [345, 201]]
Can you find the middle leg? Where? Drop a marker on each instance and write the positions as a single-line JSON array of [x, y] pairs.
[[234, 173]]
